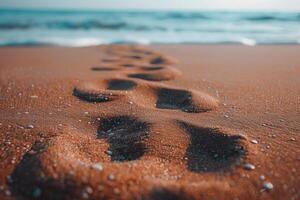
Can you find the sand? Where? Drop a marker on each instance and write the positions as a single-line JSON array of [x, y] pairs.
[[156, 122]]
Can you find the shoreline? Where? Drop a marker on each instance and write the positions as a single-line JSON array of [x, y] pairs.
[[148, 45]]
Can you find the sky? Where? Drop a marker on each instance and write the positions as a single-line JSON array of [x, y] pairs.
[[293, 5]]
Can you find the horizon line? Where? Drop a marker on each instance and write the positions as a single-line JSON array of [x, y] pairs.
[[145, 9]]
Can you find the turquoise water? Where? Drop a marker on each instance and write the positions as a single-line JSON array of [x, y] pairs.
[[84, 28]]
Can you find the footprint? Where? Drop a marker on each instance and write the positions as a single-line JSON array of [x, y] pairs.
[[90, 92], [187, 101], [28, 175], [102, 69], [212, 150], [152, 68], [162, 60], [103, 91], [125, 135], [120, 84], [94, 96], [128, 65]]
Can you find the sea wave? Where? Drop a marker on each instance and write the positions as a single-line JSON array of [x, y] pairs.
[[84, 28], [185, 16], [274, 18], [84, 25]]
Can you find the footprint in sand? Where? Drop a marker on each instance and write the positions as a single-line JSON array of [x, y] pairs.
[[119, 84], [184, 100], [125, 135], [212, 149], [162, 60], [87, 94], [128, 65], [105, 91], [152, 68], [103, 69]]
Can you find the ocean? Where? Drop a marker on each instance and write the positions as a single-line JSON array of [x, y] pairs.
[[85, 28]]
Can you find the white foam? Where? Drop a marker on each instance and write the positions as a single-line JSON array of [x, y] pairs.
[[143, 41], [71, 42], [247, 41], [76, 42], [86, 42]]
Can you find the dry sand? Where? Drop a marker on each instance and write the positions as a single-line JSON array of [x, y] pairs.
[[158, 122]]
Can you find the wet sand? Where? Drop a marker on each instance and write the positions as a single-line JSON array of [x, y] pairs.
[[155, 122]]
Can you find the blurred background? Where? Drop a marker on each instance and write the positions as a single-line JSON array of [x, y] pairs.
[[93, 22]]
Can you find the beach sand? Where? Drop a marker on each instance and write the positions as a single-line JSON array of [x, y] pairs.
[[156, 122]]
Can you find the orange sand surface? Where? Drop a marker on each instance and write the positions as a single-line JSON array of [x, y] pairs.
[[156, 122]]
